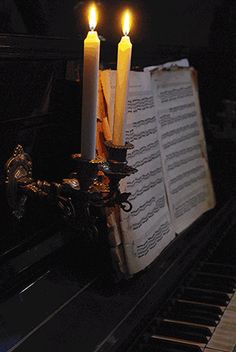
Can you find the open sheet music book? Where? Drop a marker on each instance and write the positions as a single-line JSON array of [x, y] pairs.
[[173, 186]]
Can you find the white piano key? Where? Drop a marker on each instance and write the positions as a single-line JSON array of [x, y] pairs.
[[211, 350], [190, 324], [224, 336], [201, 345], [222, 346]]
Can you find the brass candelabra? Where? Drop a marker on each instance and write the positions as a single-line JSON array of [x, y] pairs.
[[93, 183]]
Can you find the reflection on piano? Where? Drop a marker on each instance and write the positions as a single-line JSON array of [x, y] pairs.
[[57, 290]]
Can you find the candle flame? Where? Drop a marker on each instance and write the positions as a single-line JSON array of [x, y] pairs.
[[126, 22], [92, 17]]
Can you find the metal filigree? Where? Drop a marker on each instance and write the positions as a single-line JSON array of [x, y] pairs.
[[18, 174], [92, 184]]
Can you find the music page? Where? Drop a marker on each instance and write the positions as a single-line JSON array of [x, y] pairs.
[[183, 149], [146, 229]]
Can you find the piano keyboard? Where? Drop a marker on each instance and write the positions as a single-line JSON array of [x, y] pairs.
[[201, 313], [224, 336]]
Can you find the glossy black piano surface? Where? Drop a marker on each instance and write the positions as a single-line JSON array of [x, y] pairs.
[[69, 305], [58, 291]]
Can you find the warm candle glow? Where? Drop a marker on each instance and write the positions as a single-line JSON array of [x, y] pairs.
[[92, 17], [122, 82], [126, 22], [90, 89]]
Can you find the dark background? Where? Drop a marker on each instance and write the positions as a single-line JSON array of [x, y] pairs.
[[203, 31], [184, 22], [41, 59], [40, 99]]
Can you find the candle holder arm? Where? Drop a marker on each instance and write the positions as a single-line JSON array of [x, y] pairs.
[[92, 184]]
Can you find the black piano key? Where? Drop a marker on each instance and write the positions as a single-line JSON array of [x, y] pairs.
[[213, 283], [204, 296], [193, 318], [198, 304], [191, 306], [161, 345], [219, 276], [225, 254], [193, 313], [216, 268], [182, 331]]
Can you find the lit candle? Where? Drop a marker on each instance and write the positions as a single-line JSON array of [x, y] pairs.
[[90, 89], [122, 83]]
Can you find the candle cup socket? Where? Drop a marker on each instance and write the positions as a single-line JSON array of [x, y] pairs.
[[87, 170], [117, 152], [117, 162]]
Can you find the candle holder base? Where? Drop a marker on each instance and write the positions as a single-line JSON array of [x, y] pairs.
[[92, 184], [118, 169], [86, 171]]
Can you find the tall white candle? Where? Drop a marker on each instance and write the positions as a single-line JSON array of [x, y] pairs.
[[122, 83], [90, 89]]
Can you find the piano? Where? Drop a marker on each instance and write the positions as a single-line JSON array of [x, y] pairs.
[[57, 289]]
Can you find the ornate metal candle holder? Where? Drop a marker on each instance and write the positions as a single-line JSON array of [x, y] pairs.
[[118, 169], [92, 184]]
